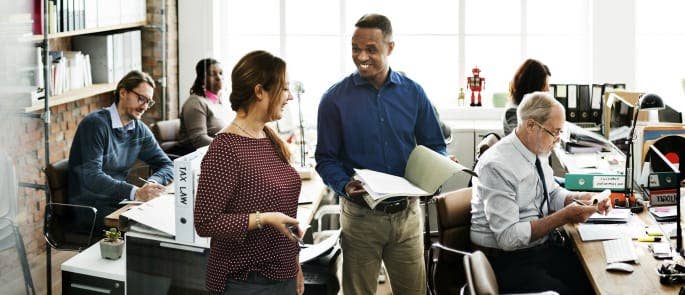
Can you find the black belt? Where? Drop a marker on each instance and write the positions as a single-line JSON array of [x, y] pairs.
[[391, 206]]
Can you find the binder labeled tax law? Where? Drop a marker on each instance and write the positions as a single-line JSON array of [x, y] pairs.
[[186, 176], [425, 172]]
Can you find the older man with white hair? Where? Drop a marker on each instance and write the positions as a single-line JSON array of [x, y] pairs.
[[517, 207]]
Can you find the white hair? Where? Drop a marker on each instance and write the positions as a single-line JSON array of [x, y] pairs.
[[537, 106]]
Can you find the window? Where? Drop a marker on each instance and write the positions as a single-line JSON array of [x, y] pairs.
[[437, 42], [660, 50]]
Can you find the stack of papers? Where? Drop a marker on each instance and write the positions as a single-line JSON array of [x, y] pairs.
[[154, 217], [614, 216], [664, 213], [601, 232]]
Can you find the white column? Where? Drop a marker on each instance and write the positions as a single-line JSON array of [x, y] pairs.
[[197, 39], [613, 42]]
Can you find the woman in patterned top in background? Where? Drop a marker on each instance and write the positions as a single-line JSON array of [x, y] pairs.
[[247, 193]]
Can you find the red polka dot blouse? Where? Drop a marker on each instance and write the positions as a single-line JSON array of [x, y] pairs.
[[242, 175]]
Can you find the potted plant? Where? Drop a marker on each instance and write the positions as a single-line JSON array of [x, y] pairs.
[[112, 246]]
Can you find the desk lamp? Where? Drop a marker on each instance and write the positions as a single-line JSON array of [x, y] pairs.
[[646, 102]]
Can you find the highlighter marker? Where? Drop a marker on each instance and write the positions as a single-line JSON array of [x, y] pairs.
[[654, 232], [649, 239]]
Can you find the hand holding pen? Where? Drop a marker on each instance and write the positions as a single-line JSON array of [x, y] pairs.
[[149, 191]]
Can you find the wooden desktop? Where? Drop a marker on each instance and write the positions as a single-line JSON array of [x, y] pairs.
[[643, 280]]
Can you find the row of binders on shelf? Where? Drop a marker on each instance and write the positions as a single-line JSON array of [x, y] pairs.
[[70, 15], [101, 59], [68, 70], [112, 55], [580, 140], [583, 102]]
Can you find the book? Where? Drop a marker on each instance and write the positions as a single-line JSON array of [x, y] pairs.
[[425, 172], [664, 213]]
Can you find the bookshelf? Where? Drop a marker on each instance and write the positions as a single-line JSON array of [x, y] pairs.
[[38, 38], [73, 95], [64, 39]]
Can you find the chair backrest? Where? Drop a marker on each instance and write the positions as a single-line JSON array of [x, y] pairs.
[[167, 135], [58, 179], [454, 225], [69, 226], [21, 253], [489, 139], [480, 277], [167, 130], [8, 198]]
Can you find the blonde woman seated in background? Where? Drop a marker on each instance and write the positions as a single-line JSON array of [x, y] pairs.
[[203, 113]]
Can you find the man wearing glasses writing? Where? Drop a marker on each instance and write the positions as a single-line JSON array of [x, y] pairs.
[[106, 145], [517, 207]]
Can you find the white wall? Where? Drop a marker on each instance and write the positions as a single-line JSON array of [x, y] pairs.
[[613, 41], [197, 39]]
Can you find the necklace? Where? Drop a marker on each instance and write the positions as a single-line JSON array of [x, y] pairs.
[[244, 130]]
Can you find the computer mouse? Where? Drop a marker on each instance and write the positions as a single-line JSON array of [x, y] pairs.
[[619, 267]]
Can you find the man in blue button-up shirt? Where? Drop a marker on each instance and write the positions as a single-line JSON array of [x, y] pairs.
[[373, 119]]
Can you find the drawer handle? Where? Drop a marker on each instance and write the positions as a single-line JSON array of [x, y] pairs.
[[91, 288], [181, 247]]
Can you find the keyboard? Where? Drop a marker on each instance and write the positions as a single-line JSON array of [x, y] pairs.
[[619, 250]]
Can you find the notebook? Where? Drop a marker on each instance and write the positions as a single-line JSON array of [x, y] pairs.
[[614, 216]]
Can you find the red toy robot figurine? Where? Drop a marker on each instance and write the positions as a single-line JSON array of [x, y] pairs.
[[476, 84]]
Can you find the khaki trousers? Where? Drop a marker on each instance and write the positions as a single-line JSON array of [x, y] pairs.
[[370, 236]]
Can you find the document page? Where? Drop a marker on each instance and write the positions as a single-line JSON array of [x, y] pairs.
[[157, 213], [379, 184]]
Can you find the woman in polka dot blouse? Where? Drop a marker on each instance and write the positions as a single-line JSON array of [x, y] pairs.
[[247, 193]]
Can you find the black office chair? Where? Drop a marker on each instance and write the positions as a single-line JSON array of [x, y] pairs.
[[66, 226]]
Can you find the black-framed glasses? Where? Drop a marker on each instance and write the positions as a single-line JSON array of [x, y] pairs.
[[556, 136], [142, 99]]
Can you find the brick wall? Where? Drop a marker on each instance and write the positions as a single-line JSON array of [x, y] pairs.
[[26, 145]]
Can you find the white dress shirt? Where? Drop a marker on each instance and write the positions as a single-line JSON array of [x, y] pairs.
[[508, 194]]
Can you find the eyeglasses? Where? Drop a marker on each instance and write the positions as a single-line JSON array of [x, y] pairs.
[[142, 99], [557, 135]]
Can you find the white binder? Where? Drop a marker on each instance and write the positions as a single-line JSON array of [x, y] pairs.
[[186, 175]]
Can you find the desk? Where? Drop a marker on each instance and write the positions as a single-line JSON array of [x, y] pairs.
[[89, 272], [644, 280], [313, 187]]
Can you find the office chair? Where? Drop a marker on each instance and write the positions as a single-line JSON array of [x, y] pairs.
[[166, 133], [489, 139], [480, 277], [9, 232], [21, 252], [66, 226], [454, 225]]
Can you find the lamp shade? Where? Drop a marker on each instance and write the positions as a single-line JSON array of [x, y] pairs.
[[651, 101]]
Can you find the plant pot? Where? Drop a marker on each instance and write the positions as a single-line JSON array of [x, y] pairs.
[[111, 250]]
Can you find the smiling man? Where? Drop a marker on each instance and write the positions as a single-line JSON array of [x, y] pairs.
[[106, 145], [373, 119]]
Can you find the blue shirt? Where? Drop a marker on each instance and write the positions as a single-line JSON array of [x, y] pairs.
[[360, 126], [116, 123]]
